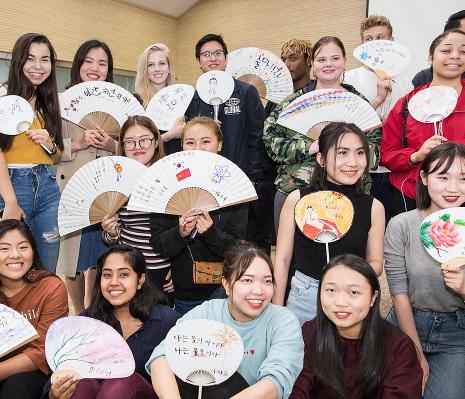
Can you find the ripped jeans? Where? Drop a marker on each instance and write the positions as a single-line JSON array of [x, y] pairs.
[[38, 195]]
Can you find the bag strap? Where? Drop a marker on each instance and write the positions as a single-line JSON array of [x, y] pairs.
[[190, 253], [405, 115]]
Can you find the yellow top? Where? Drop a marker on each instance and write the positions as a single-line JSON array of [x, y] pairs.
[[25, 151]]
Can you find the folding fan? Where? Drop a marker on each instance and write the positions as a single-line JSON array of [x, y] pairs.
[[105, 104], [203, 352], [169, 103], [191, 180], [15, 330], [100, 187], [433, 104], [16, 115], [215, 88], [442, 234], [324, 216], [3, 91], [386, 58], [88, 348], [263, 69], [311, 112]]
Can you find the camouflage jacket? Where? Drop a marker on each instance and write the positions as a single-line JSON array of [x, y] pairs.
[[290, 149]]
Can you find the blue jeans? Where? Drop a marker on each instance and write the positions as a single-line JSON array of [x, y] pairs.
[[38, 195], [303, 296], [91, 248], [182, 306], [442, 336]]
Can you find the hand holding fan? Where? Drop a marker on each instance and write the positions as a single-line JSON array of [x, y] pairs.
[[16, 115], [186, 180], [203, 352], [97, 103], [386, 58], [263, 69], [100, 187], [87, 347], [15, 330], [433, 104], [311, 112], [168, 104], [324, 216], [215, 88]]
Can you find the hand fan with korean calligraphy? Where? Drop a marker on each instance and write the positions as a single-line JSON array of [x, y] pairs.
[[215, 88], [16, 115]]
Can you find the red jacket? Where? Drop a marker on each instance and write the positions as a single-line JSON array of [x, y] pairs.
[[396, 157]]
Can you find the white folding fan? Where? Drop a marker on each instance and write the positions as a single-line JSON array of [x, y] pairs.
[[311, 112], [263, 69], [215, 88], [203, 352], [88, 348], [386, 58], [16, 115], [100, 187], [105, 104], [169, 103], [15, 330], [191, 180]]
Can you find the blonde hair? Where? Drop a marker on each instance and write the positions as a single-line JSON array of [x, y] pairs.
[[142, 84], [298, 47], [375, 20], [209, 123]]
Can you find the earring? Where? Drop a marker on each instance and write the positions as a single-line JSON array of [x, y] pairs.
[[31, 273], [343, 75]]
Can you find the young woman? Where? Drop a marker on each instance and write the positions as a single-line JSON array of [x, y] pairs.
[[140, 140], [28, 187], [350, 352], [79, 251], [342, 161], [406, 142], [270, 369], [127, 301], [39, 296], [216, 232], [429, 305], [154, 72]]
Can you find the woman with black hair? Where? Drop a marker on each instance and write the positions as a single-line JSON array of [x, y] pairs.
[[28, 184], [350, 352], [127, 301]]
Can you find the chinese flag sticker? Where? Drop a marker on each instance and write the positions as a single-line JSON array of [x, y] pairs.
[[183, 174]]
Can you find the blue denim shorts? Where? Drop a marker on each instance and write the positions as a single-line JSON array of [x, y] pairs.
[[302, 297]]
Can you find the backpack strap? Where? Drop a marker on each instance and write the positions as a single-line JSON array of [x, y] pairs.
[[405, 114]]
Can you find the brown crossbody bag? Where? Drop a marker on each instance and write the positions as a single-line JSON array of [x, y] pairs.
[[206, 272]]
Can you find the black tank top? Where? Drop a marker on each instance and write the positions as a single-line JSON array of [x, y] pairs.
[[309, 257]]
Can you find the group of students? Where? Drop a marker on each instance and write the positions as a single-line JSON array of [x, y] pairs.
[[344, 348]]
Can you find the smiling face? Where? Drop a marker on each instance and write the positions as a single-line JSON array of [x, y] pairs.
[[251, 293], [38, 65], [158, 68], [346, 298], [448, 59], [142, 140], [95, 65], [200, 137], [16, 256], [119, 282], [446, 188], [217, 61], [329, 63]]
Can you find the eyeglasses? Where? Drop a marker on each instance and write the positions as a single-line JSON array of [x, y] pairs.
[[145, 144], [210, 54]]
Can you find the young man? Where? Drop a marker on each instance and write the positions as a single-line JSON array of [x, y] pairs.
[[382, 94]]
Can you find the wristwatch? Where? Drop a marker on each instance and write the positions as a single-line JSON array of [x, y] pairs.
[[54, 149]]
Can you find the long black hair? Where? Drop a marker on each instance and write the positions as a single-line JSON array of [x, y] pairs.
[[326, 349], [46, 95], [145, 299]]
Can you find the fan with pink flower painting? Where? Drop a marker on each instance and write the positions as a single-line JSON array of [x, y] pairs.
[[443, 235]]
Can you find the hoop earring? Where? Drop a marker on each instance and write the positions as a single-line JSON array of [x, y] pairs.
[[343, 75], [31, 273]]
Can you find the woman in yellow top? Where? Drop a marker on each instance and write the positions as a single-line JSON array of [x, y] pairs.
[[28, 184]]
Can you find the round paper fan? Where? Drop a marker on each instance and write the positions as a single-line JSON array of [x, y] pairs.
[[263, 69], [97, 103], [311, 112], [433, 104], [386, 58], [100, 187], [15, 330], [442, 233], [203, 352], [16, 115], [324, 216], [169, 103], [191, 180], [89, 348]]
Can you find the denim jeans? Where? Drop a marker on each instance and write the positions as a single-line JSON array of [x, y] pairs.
[[38, 195], [303, 296], [183, 306], [442, 336], [91, 248]]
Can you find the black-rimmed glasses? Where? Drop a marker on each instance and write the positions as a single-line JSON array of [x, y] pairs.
[[145, 143]]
